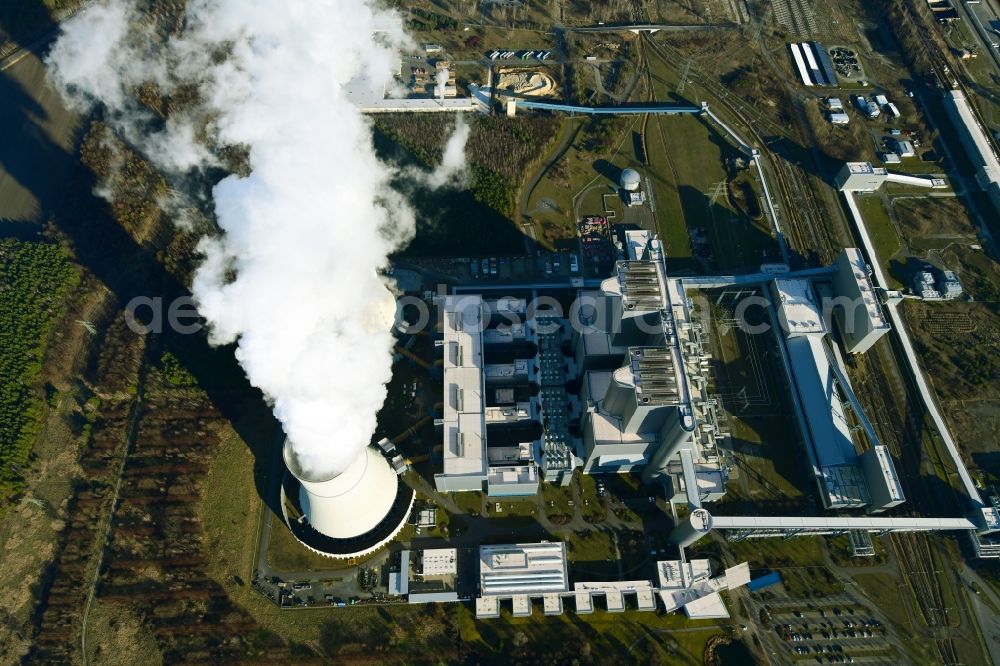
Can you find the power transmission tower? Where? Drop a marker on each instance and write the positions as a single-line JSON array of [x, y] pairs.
[[717, 191], [684, 76]]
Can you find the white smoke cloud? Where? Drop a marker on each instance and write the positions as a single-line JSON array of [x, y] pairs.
[[452, 169], [306, 232], [441, 82]]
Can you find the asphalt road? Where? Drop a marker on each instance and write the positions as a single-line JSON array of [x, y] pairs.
[[37, 141]]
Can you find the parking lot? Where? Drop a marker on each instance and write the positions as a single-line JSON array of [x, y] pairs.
[[556, 266], [832, 634]]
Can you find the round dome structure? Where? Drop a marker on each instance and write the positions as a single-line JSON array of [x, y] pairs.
[[349, 514], [630, 180]]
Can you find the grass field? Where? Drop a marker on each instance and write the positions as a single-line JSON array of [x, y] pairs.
[[286, 554], [888, 596], [557, 499], [685, 163], [881, 229], [445, 633]]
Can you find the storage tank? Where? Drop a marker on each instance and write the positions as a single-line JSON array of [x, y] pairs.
[[348, 514], [697, 525]]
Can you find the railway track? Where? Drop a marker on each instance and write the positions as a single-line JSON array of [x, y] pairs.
[[805, 226]]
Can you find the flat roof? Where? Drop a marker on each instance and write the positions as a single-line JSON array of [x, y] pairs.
[[960, 105], [607, 430], [828, 427], [439, 561], [798, 307], [710, 606], [678, 574], [524, 568], [513, 475], [864, 285], [889, 473], [636, 241], [839, 523], [464, 418], [865, 167]]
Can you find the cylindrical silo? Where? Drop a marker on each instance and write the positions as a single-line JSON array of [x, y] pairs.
[[697, 525]]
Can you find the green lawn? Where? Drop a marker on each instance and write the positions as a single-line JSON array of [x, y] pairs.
[[590, 546], [885, 592], [468, 502], [881, 229], [557, 499]]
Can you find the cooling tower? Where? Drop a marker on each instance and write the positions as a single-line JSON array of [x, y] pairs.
[[349, 514]]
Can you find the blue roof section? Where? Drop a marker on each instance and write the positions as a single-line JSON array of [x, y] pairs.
[[825, 64], [828, 428], [772, 578]]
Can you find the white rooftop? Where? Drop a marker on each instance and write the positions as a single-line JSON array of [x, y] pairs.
[[860, 269], [464, 419], [828, 426], [798, 308], [440, 561], [865, 167], [636, 240], [528, 568], [689, 585], [889, 473]]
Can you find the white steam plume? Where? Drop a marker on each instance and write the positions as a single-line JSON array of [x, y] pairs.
[[441, 82], [452, 168], [293, 276]]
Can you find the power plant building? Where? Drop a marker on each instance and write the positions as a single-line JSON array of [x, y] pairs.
[[860, 177], [642, 379], [520, 572], [640, 402], [464, 421], [491, 429], [856, 310]]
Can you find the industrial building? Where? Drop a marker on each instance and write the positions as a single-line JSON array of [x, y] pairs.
[[640, 367], [856, 310], [689, 585], [493, 440], [924, 287], [643, 379], [863, 177], [903, 149], [945, 286], [860, 177], [977, 145], [371, 94], [813, 64], [521, 573], [643, 404], [823, 391], [630, 182]]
